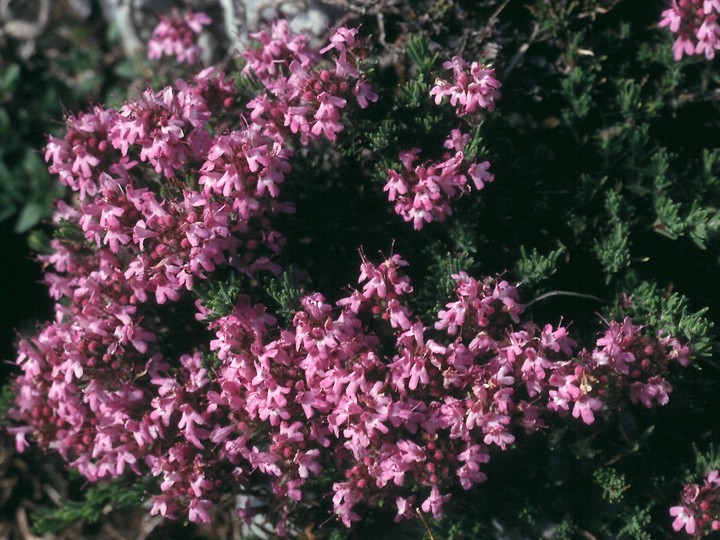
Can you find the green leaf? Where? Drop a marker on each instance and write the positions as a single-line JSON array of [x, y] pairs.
[[98, 500], [534, 267], [419, 52], [30, 216], [34, 167], [10, 77], [126, 69]]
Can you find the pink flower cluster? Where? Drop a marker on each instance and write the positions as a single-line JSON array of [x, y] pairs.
[[286, 404], [699, 513], [400, 426], [164, 243], [422, 193], [177, 35], [471, 89], [695, 23], [362, 394], [305, 100], [132, 247]]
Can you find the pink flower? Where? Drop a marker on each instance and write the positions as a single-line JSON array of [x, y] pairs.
[[585, 406], [327, 116], [278, 48], [683, 518], [199, 511], [342, 39], [404, 508], [169, 192], [176, 35], [435, 502], [480, 174], [707, 37]]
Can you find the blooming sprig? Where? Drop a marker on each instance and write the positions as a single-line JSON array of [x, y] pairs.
[[177, 35], [625, 364], [699, 512], [167, 126], [244, 166], [277, 47], [473, 87], [86, 375], [307, 96], [85, 150], [423, 192], [695, 24]]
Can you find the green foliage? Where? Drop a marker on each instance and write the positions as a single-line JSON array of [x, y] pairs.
[[647, 304], [414, 93], [597, 191], [612, 484], [577, 88], [554, 18], [69, 232], [385, 136], [463, 528], [25, 185], [338, 534], [535, 267], [438, 285], [669, 222], [73, 70], [613, 250], [419, 52], [699, 223], [39, 242], [705, 461], [474, 146], [658, 169], [286, 293], [629, 98], [565, 530], [219, 295], [674, 220], [7, 397], [702, 224], [635, 523], [98, 501], [711, 166], [247, 86]]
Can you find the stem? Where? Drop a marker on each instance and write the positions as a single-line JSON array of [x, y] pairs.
[[497, 12], [565, 293], [425, 523]]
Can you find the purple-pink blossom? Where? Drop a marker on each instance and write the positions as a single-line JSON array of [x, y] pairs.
[[309, 99], [177, 35], [423, 193], [699, 512], [473, 87], [695, 25]]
